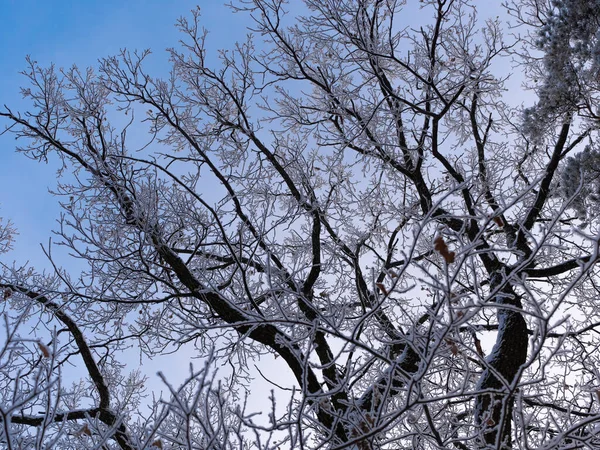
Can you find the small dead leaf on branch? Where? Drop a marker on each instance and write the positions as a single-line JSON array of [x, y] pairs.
[[7, 293], [45, 351], [442, 248], [440, 245], [498, 221], [84, 430], [382, 288], [452, 346], [157, 444]]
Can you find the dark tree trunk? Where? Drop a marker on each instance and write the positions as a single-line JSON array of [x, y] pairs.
[[494, 405]]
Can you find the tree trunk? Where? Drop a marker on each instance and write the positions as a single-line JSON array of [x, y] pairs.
[[494, 404]]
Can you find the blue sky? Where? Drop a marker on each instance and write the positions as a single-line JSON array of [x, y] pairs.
[[67, 32]]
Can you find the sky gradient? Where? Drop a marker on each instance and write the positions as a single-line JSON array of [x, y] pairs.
[[67, 32], [79, 32], [71, 32], [64, 33]]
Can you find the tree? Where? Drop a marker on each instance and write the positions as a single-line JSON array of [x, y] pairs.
[[380, 210]]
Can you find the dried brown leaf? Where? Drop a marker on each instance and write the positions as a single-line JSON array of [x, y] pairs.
[[45, 351], [382, 288]]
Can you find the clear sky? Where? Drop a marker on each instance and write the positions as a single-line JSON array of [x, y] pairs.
[[67, 32]]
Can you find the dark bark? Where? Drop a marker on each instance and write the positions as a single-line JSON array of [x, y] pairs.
[[103, 411], [494, 403]]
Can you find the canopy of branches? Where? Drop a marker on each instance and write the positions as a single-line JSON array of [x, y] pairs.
[[351, 196]]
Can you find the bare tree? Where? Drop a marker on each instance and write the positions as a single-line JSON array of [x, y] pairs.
[[349, 192]]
